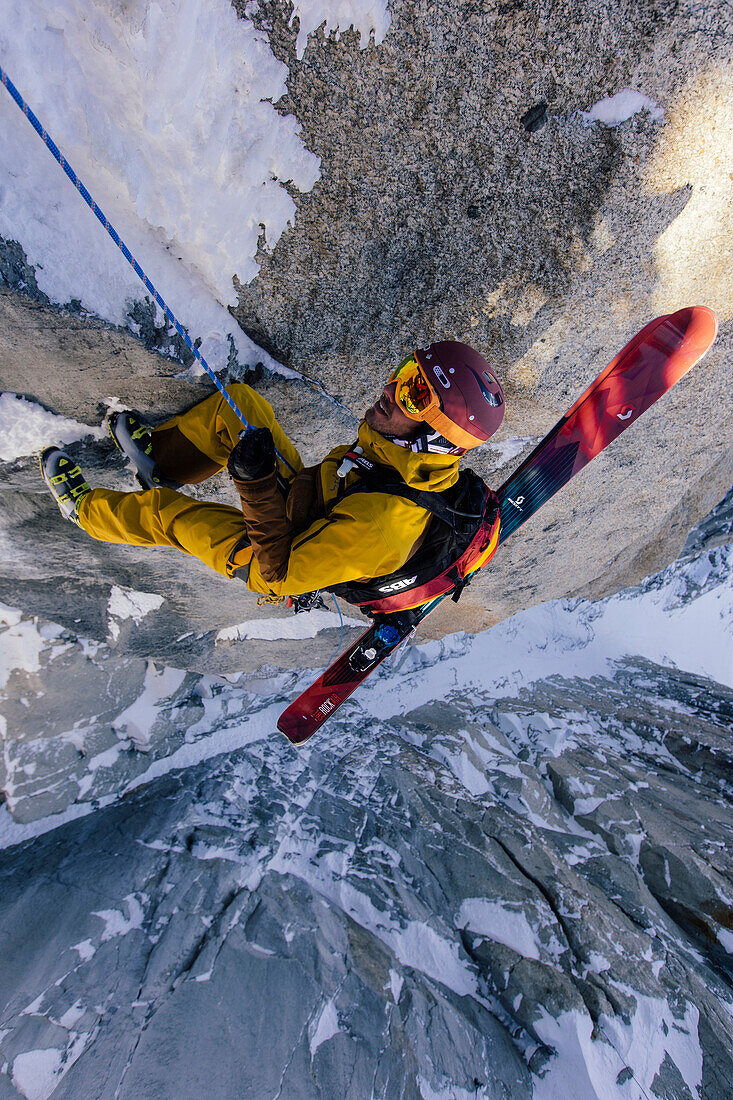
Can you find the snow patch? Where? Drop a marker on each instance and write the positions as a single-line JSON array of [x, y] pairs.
[[589, 1067], [85, 950], [36, 1073], [419, 946], [725, 939], [125, 603], [497, 922], [26, 427], [72, 1015], [396, 982], [367, 17], [508, 449], [35, 1006], [307, 625], [115, 921], [9, 616], [446, 1090], [23, 642], [137, 720], [619, 108], [325, 1027]]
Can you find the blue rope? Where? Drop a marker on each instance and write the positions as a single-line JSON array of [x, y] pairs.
[[53, 148]]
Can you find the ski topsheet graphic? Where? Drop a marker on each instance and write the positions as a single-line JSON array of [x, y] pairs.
[[647, 367]]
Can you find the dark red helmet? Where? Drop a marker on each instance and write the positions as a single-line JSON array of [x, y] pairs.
[[453, 389]]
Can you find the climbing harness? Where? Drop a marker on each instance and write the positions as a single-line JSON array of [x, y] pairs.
[[58, 155]]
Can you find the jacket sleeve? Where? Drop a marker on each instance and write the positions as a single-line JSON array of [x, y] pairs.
[[357, 539]]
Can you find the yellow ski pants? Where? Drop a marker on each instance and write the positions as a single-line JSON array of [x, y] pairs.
[[164, 517]]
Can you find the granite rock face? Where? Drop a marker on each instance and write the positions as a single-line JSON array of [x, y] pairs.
[[440, 215]]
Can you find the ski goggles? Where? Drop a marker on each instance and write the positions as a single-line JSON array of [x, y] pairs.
[[413, 392], [419, 400]]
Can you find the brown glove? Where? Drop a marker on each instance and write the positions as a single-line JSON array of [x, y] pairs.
[[268, 527]]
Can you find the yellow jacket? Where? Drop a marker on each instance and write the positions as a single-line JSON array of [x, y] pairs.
[[365, 535]]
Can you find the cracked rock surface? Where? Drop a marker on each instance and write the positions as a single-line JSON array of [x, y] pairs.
[[484, 894]]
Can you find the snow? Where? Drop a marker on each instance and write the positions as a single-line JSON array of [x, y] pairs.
[[447, 1091], [126, 603], [23, 642], [499, 923], [306, 625], [508, 449], [423, 948], [695, 635], [653, 621], [167, 113], [396, 982], [36, 1073], [115, 921], [26, 427], [188, 189], [725, 938], [326, 1026], [137, 720], [34, 1007], [9, 616], [223, 739], [72, 1015], [365, 16], [684, 614], [588, 1067], [85, 950], [21, 649], [415, 944], [616, 109]]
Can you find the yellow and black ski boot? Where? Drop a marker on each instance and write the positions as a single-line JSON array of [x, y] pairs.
[[65, 480], [133, 437]]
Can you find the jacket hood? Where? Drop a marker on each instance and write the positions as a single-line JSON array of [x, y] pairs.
[[431, 472]]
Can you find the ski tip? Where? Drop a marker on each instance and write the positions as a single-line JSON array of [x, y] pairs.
[[698, 327], [298, 728]]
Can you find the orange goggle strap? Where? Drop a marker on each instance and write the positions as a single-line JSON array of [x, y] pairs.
[[432, 413]]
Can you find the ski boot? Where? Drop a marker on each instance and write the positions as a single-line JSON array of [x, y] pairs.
[[133, 437], [65, 480]]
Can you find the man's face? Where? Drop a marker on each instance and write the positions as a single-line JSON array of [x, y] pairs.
[[387, 417]]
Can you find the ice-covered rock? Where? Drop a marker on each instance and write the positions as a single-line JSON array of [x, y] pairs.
[[497, 893]]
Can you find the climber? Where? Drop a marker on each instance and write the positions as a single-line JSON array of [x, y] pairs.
[[294, 533]]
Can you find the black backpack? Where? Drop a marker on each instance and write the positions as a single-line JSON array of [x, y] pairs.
[[464, 517]]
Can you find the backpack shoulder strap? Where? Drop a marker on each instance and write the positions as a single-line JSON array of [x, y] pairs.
[[383, 479]]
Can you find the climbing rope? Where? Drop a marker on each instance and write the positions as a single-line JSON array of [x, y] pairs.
[[55, 151]]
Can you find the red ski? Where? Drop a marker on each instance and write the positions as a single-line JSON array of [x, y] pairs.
[[647, 367]]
